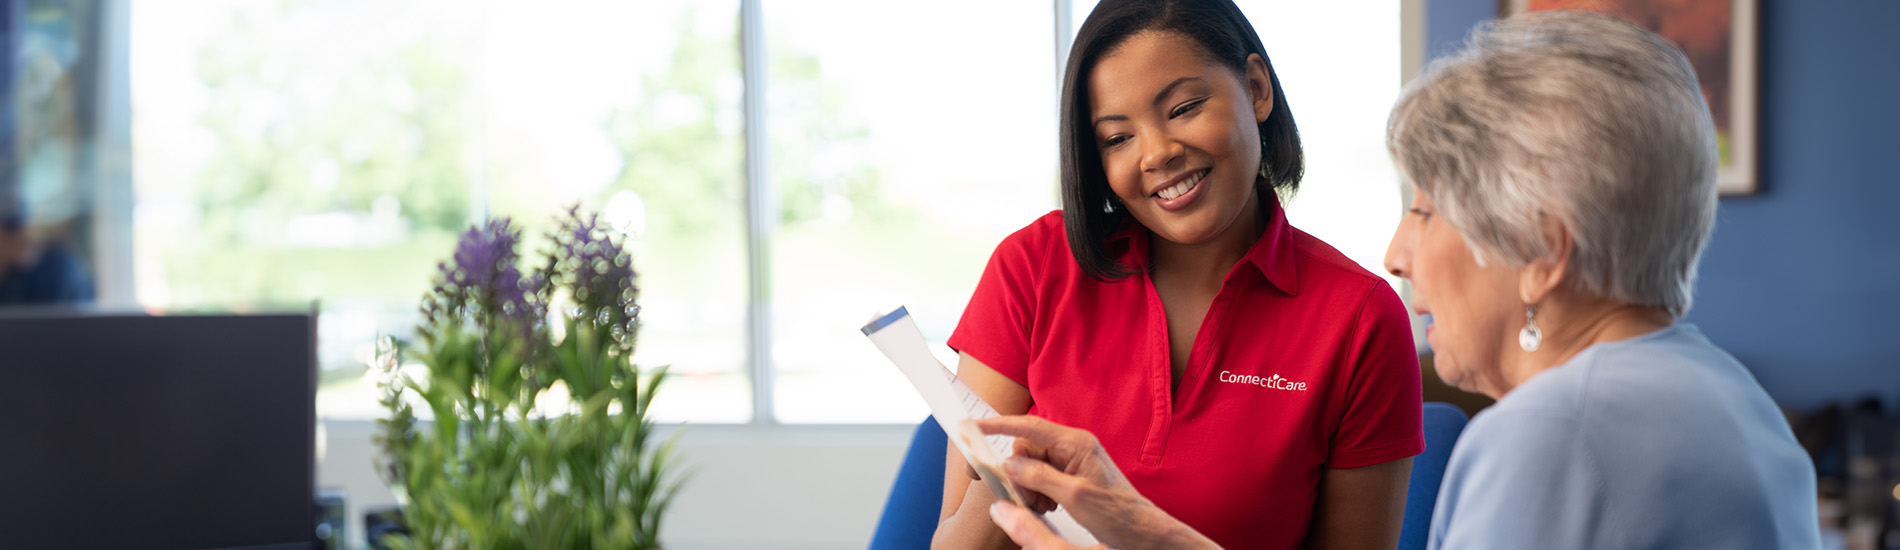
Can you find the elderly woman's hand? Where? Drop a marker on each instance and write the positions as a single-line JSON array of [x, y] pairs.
[[1029, 530], [1069, 467]]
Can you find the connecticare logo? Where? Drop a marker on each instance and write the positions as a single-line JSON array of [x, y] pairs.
[[1275, 381]]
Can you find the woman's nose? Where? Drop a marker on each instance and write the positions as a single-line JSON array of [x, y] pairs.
[[1160, 153], [1398, 254]]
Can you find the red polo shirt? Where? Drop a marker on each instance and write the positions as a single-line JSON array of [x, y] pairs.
[[1304, 362]]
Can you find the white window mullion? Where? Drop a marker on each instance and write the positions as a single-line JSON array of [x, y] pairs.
[[110, 164], [760, 220], [1065, 35]]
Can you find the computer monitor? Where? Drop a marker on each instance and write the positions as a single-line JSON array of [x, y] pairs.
[[161, 432]]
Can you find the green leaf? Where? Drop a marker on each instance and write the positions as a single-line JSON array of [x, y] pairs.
[[465, 519], [652, 389]]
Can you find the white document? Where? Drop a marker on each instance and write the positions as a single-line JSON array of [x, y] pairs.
[[957, 408]]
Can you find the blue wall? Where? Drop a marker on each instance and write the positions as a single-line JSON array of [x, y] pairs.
[[1802, 281]]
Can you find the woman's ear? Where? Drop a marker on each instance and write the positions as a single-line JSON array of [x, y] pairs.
[[1259, 87], [1537, 279]]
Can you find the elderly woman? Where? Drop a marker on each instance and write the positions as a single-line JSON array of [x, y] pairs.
[[1564, 168], [1564, 172]]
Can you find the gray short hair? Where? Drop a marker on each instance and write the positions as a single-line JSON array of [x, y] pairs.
[[1574, 116]]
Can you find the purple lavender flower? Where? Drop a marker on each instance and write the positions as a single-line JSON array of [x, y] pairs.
[[484, 277], [598, 271]]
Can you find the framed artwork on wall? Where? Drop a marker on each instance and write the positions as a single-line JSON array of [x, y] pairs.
[[1720, 38]]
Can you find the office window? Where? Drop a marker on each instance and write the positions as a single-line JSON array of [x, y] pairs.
[[904, 147], [633, 109], [1338, 63], [286, 153], [290, 152]]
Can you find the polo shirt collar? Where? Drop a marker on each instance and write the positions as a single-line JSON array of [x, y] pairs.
[[1272, 253]]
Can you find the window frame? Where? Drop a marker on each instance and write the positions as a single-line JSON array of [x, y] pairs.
[[114, 202], [761, 371]]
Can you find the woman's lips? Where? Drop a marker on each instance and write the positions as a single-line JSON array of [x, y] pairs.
[[1197, 188]]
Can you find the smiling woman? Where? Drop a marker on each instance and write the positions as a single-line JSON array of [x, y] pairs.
[[1191, 80], [1172, 271], [1200, 124]]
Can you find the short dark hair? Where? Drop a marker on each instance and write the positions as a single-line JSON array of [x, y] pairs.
[[1089, 209]]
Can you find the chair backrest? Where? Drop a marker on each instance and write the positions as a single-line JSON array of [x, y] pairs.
[[910, 513], [1443, 423]]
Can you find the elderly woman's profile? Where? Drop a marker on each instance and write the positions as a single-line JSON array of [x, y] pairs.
[[1563, 168]]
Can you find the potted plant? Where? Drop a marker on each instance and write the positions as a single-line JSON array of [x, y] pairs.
[[540, 435]]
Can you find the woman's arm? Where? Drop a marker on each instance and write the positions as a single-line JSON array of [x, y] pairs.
[[965, 522], [1361, 500], [1361, 507]]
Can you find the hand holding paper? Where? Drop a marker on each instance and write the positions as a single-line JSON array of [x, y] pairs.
[[953, 403], [957, 408]]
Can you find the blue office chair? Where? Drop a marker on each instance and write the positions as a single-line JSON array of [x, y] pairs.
[[1443, 423], [910, 513]]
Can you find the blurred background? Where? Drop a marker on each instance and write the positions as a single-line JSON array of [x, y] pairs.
[[853, 156]]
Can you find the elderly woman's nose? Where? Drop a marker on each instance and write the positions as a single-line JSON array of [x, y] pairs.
[[1398, 254]]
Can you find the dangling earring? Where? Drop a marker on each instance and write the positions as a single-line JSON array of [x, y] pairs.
[[1530, 337]]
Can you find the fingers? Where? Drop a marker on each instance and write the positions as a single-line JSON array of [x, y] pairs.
[[1041, 478], [1036, 501], [1033, 428], [1047, 457], [1043, 504], [1025, 528], [1032, 451], [1042, 437]]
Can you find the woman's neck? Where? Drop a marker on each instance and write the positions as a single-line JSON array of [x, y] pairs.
[[1210, 261], [1573, 324]]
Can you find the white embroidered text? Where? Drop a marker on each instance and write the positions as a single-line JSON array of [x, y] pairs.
[[1275, 381]]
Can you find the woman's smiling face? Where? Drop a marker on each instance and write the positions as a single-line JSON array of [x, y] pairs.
[[1179, 135]]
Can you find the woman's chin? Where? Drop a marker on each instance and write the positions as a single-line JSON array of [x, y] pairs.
[[1449, 373], [1179, 236], [1184, 229]]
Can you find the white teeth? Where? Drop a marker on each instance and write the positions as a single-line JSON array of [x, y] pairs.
[[1182, 188]]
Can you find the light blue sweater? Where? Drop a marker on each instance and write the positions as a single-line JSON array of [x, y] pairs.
[[1659, 441]]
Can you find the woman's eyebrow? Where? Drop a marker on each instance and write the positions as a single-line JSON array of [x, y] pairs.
[[1159, 97]]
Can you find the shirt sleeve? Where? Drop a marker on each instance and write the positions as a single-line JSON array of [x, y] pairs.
[[995, 327], [1520, 481], [1382, 420]]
